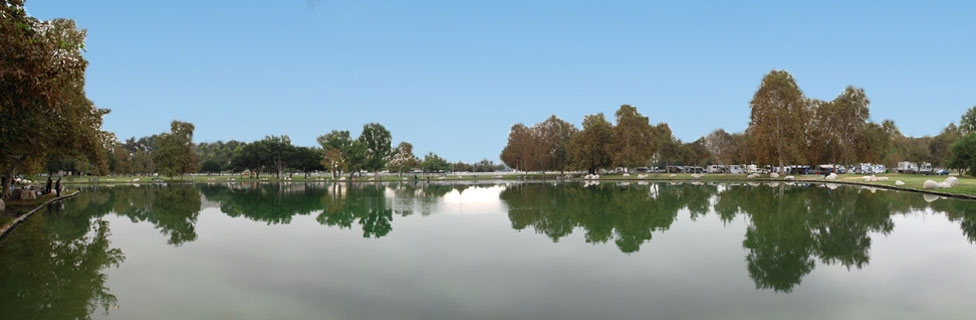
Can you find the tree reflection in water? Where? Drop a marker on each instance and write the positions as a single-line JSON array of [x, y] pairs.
[[54, 267], [55, 264]]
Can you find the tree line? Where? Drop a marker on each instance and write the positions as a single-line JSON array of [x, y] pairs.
[[785, 128], [174, 154]]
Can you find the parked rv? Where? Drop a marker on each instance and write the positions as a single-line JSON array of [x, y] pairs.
[[717, 169], [736, 169], [907, 167], [925, 168]]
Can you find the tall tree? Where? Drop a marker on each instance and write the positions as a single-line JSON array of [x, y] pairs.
[[402, 158], [376, 141], [176, 154], [337, 144], [554, 135], [591, 148], [43, 107], [968, 122], [777, 120], [520, 152], [633, 138], [721, 144]]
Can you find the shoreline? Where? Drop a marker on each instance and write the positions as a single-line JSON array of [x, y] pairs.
[[5, 229], [717, 178]]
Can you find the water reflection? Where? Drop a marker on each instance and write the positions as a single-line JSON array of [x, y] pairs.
[[54, 265], [54, 268]]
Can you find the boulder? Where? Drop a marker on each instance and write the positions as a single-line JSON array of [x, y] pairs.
[[832, 176], [899, 183], [696, 176], [28, 195], [881, 179], [2, 206], [626, 174], [789, 178], [752, 176], [773, 175], [641, 176], [951, 181], [867, 178], [674, 175], [929, 184]]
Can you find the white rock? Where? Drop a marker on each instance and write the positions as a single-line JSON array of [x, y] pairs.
[[832, 176], [626, 174], [642, 176], [2, 206], [952, 181], [867, 178], [789, 178], [441, 178], [753, 176], [929, 184], [459, 177], [404, 179], [881, 179], [899, 183], [773, 175], [674, 175]]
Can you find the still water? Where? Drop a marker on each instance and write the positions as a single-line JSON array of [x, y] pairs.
[[492, 251]]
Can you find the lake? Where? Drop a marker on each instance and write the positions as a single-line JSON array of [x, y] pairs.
[[492, 251]]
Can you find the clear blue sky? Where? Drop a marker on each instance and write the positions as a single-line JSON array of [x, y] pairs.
[[453, 76]]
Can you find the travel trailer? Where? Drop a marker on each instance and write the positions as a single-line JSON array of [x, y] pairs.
[[736, 169], [925, 168], [907, 167], [716, 169]]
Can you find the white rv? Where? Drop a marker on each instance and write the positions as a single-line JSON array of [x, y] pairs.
[[925, 168], [736, 169], [716, 169], [907, 167]]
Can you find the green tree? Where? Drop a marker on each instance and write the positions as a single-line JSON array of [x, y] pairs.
[[777, 120], [43, 107], [591, 148], [433, 163], [376, 142], [210, 167], [963, 154], [968, 122], [402, 158], [176, 154], [633, 144], [338, 145]]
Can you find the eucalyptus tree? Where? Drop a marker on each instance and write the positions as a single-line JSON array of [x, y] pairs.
[[777, 120]]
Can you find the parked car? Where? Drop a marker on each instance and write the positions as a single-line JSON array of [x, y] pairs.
[[942, 172]]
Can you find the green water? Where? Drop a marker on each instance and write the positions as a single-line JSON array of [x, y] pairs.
[[492, 251]]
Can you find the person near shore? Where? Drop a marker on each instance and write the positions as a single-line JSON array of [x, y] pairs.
[[48, 186], [57, 187]]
